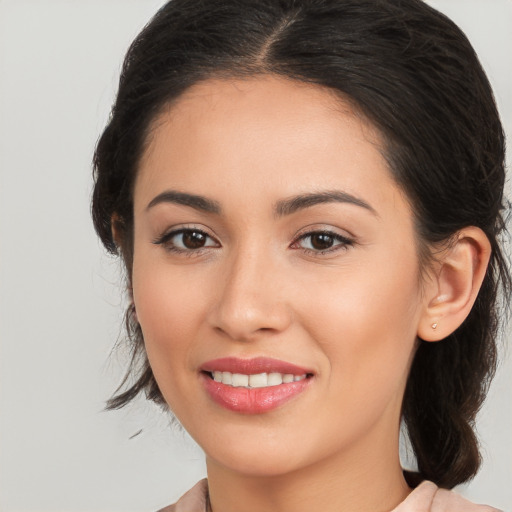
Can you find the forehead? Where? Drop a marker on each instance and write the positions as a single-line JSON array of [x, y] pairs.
[[260, 103], [271, 135], [279, 95]]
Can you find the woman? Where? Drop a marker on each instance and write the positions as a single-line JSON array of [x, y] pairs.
[[308, 197]]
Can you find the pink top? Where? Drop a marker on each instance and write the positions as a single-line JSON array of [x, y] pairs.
[[427, 497]]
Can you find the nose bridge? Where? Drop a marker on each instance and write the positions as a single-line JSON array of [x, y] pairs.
[[249, 300]]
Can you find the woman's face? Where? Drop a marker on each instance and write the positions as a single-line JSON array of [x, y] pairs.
[[271, 241]]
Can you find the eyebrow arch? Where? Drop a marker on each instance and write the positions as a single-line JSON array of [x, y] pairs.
[[194, 201], [293, 204]]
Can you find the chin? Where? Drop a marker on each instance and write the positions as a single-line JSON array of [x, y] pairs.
[[256, 463]]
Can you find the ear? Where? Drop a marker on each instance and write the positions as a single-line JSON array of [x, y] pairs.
[[116, 229], [454, 284]]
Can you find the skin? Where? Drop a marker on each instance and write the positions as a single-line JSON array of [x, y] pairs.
[[351, 315]]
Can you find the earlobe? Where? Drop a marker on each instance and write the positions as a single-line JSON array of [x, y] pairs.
[[455, 284]]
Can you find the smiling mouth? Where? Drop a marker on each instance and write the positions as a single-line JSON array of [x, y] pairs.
[[254, 386], [256, 380]]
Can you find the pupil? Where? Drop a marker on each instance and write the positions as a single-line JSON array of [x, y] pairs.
[[321, 241], [193, 240]]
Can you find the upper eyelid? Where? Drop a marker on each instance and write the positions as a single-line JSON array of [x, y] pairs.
[[176, 230], [322, 231], [179, 228], [322, 228], [335, 235]]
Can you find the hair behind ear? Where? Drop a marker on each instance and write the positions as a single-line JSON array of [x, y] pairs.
[[450, 374], [439, 421], [447, 385]]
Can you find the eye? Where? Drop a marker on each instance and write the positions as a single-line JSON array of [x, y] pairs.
[[322, 242], [186, 240]]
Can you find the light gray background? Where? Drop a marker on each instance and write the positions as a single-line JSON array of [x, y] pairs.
[[60, 305]]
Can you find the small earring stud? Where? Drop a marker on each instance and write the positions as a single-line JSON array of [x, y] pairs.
[[434, 326]]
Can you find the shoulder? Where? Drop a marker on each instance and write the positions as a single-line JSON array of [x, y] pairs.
[[427, 497], [193, 500]]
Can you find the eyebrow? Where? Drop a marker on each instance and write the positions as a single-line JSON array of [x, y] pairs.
[[282, 208], [194, 201], [302, 201]]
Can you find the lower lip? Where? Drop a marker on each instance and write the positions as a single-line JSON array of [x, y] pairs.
[[253, 400]]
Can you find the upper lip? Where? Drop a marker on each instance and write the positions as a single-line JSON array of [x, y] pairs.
[[253, 366]]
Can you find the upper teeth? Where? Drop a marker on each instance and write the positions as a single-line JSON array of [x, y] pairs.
[[259, 380]]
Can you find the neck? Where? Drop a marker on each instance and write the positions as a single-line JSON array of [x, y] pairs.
[[361, 479]]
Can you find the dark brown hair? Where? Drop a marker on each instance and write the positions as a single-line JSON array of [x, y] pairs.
[[414, 75]]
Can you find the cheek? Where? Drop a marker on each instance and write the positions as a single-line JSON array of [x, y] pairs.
[[367, 326], [169, 310]]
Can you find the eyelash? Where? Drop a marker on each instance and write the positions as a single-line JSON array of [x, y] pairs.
[[166, 241], [344, 242]]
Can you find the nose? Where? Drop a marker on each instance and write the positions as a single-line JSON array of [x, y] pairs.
[[252, 298]]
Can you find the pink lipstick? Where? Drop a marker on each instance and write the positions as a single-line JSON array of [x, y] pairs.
[[253, 386]]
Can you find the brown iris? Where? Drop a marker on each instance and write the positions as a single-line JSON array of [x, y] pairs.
[[193, 239], [321, 241]]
